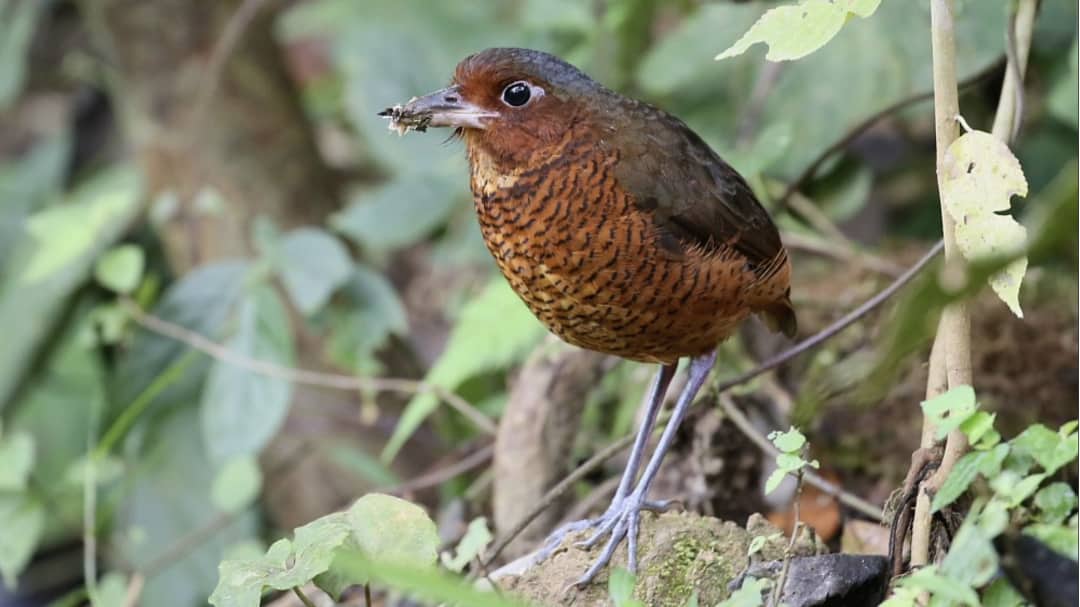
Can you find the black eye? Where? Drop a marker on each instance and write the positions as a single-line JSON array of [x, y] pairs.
[[516, 94]]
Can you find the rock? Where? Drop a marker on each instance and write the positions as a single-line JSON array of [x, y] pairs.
[[678, 553], [830, 580]]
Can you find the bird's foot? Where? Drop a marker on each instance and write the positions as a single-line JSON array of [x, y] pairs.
[[621, 521]]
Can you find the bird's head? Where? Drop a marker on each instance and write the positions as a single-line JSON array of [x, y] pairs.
[[509, 102]]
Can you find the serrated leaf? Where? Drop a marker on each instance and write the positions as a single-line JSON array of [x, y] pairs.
[[949, 410], [23, 519], [286, 564], [795, 31], [790, 441], [979, 176], [476, 538], [237, 484], [774, 480], [16, 460], [120, 269], [1048, 448], [243, 409], [1055, 502], [313, 265], [390, 528], [494, 330]]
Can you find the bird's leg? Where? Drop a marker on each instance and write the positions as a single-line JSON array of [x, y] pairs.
[[623, 518], [653, 403]]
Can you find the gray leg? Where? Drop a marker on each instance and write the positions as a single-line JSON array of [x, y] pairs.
[[653, 403], [623, 518]]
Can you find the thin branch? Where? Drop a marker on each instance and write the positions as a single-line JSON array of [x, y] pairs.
[[747, 428], [302, 376], [611, 450], [811, 169], [303, 597], [441, 475], [826, 248]]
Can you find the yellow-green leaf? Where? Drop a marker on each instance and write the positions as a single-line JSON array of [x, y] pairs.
[[979, 177], [797, 30]]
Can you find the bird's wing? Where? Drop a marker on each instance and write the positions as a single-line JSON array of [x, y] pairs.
[[693, 195]]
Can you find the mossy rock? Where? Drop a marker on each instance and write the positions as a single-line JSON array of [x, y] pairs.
[[678, 553]]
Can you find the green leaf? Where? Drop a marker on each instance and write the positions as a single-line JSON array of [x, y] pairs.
[[949, 410], [312, 266], [987, 463], [972, 560], [977, 426], [166, 501], [1055, 502], [941, 586], [121, 268], [749, 595], [16, 460], [1059, 538], [979, 176], [476, 538], [243, 409], [788, 442], [1048, 448], [16, 32], [23, 519], [111, 591], [370, 312], [789, 463], [1015, 489], [795, 31], [389, 528], [1064, 98], [774, 480], [1000, 593], [494, 330], [52, 259], [621, 588], [237, 484], [400, 212]]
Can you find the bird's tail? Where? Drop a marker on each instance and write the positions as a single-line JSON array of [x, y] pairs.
[[779, 316]]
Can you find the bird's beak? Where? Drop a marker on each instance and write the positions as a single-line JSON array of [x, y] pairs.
[[445, 107]]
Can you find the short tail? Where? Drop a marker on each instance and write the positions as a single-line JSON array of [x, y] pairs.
[[779, 316]]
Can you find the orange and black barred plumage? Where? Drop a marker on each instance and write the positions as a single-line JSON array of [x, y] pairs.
[[619, 228]]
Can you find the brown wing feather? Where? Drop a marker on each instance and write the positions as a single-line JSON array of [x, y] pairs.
[[694, 196]]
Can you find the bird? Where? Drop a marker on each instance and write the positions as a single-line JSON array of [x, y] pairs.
[[620, 229]]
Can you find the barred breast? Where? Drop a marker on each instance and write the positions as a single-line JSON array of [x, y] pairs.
[[594, 268]]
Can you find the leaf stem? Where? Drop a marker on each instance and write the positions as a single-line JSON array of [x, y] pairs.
[[303, 597]]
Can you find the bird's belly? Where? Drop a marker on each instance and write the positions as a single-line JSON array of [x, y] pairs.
[[609, 289]]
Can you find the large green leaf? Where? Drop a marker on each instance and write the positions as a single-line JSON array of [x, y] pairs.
[[312, 266], [794, 31], [16, 460], [979, 176], [25, 185], [23, 519], [868, 66], [52, 259], [377, 528], [242, 409], [200, 302], [495, 330], [370, 312], [169, 500]]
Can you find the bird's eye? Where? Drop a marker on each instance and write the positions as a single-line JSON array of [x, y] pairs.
[[517, 94]]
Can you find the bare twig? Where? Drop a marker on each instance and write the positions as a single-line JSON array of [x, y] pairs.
[[813, 341], [441, 475], [302, 376], [796, 528], [134, 590], [826, 248], [747, 428]]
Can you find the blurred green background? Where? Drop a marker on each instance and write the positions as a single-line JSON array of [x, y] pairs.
[[233, 151]]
